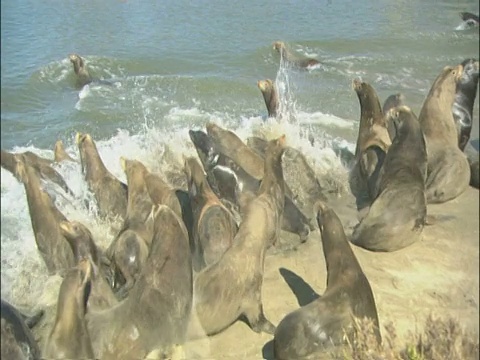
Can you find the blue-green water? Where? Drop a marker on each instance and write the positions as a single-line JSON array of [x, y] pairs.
[[176, 64]]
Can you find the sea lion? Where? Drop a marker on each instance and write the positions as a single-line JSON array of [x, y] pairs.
[[109, 192], [83, 246], [270, 95], [448, 173], [214, 226], [129, 250], [392, 101], [314, 329], [161, 193], [156, 313], [373, 142], [17, 340], [45, 217], [41, 165], [232, 286], [398, 214], [231, 146], [69, 338], [83, 76], [60, 154], [297, 172], [293, 59], [465, 94], [471, 20]]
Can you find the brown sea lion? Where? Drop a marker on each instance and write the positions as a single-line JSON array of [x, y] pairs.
[[45, 217], [110, 193], [83, 76], [297, 173], [162, 193], [17, 340], [69, 338], [270, 95], [214, 226], [156, 313], [313, 330], [465, 94], [373, 142], [471, 20], [129, 250], [60, 154], [397, 216], [232, 286], [448, 173], [293, 59], [41, 165], [83, 246], [231, 146], [392, 101]]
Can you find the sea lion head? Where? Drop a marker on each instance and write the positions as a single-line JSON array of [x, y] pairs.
[[363, 89], [8, 161], [85, 143], [265, 85], [470, 73], [204, 146], [195, 175], [80, 239], [324, 214], [279, 45], [77, 62], [403, 120]]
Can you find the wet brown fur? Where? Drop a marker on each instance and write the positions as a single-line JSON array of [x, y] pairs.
[[81, 241], [83, 76], [157, 311], [322, 324], [45, 218], [214, 226], [232, 287], [60, 154], [270, 95], [69, 338], [293, 59], [373, 142], [110, 193], [397, 216], [448, 173]]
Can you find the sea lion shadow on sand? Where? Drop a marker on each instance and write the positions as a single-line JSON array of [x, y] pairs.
[[304, 292]]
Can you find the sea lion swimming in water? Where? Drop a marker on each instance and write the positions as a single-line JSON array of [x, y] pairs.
[[448, 173], [373, 142], [315, 329], [69, 338], [214, 226], [398, 214], [270, 95], [156, 313], [470, 20], [292, 59], [60, 154], [465, 94], [109, 192], [83, 76], [45, 217], [232, 286], [17, 340]]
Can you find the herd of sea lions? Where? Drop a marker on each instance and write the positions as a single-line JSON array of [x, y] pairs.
[[199, 252]]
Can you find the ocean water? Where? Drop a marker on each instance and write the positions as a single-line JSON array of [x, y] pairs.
[[174, 65]]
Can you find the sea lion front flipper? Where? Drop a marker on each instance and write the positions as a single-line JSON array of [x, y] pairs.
[[33, 320]]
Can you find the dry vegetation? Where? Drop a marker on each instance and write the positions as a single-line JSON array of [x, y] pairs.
[[440, 340]]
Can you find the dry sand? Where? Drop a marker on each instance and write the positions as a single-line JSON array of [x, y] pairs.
[[438, 275]]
